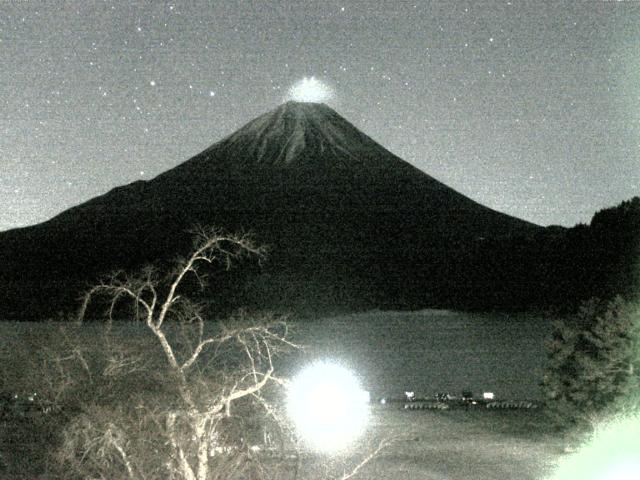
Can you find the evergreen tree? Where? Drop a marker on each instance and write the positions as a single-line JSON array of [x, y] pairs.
[[592, 363]]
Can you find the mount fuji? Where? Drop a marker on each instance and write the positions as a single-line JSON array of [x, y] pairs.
[[348, 224]]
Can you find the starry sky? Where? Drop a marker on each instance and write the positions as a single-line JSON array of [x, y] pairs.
[[531, 108]]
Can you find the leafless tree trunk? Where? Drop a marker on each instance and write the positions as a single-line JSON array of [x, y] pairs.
[[171, 395], [191, 428]]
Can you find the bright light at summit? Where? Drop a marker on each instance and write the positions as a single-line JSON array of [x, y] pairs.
[[310, 89], [327, 406]]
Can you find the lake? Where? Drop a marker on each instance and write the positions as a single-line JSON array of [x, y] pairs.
[[427, 351], [435, 351]]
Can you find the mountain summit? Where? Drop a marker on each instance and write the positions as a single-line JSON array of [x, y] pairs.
[[349, 225], [296, 131], [302, 136]]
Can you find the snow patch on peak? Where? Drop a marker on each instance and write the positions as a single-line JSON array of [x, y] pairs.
[[303, 133], [280, 136]]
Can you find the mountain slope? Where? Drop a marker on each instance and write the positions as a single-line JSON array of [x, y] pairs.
[[349, 224]]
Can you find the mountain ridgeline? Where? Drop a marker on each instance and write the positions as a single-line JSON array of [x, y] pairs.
[[349, 226]]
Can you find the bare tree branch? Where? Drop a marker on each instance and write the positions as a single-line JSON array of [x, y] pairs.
[[196, 353], [247, 365], [384, 443]]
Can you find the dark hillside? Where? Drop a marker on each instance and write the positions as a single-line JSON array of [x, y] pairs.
[[349, 226]]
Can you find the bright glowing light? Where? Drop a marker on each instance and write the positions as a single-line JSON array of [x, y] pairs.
[[612, 454], [309, 89], [328, 406]]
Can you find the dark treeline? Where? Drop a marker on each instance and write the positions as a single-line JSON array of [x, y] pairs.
[[534, 269], [559, 267]]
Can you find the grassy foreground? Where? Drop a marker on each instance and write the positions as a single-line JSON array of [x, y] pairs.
[[460, 445], [440, 445]]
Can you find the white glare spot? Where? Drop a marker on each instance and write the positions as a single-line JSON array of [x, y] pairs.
[[309, 89], [613, 453], [327, 406], [152, 83]]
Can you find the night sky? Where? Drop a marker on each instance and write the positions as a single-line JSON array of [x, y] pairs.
[[531, 108]]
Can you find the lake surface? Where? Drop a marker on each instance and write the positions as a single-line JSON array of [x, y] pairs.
[[435, 351], [427, 352]]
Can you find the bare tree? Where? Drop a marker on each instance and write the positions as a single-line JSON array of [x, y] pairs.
[[213, 370], [171, 395]]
